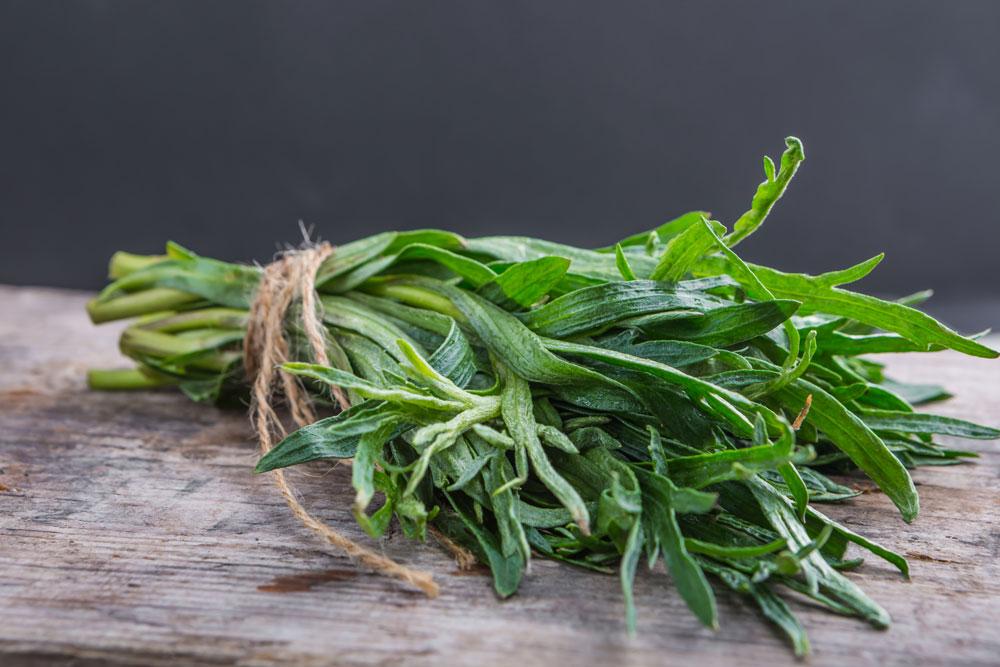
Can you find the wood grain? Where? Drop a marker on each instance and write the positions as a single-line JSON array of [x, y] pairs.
[[133, 532]]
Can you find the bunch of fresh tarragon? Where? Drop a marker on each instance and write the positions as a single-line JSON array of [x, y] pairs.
[[661, 399]]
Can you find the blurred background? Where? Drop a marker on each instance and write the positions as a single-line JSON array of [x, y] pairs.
[[222, 124]]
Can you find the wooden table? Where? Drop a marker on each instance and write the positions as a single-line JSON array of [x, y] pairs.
[[133, 532]]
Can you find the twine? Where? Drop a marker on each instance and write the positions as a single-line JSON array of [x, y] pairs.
[[265, 349]]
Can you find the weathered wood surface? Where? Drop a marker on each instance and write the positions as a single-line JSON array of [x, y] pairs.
[[133, 532]]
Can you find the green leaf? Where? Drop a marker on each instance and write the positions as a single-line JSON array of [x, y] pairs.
[[916, 394], [917, 422], [623, 266], [664, 232], [515, 407], [768, 192], [348, 257], [777, 611], [847, 431], [411, 396], [695, 387], [724, 551], [676, 353], [366, 456], [772, 606], [471, 471], [367, 360], [657, 455], [661, 521], [355, 316], [476, 273], [819, 293], [848, 535], [780, 515], [797, 487], [454, 358], [543, 517], [703, 470], [221, 283], [512, 537], [684, 250], [835, 342], [335, 437], [507, 570], [630, 560], [720, 327], [587, 309], [508, 339], [386, 309], [589, 263], [524, 283]]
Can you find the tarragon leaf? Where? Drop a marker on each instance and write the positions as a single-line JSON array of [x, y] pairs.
[[819, 293], [917, 422], [333, 437], [588, 309], [661, 521], [684, 250], [768, 192], [524, 283]]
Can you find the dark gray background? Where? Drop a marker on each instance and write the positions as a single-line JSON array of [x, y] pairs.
[[221, 124]]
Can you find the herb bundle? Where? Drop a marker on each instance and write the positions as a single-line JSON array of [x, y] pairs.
[[661, 399]]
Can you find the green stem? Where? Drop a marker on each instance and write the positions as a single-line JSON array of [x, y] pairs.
[[138, 303], [124, 263], [416, 296], [202, 318], [139, 342], [114, 379]]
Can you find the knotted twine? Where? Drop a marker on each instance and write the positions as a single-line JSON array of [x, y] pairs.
[[265, 348]]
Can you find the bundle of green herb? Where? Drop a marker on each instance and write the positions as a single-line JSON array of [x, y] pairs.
[[659, 399]]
